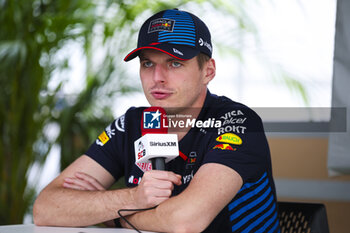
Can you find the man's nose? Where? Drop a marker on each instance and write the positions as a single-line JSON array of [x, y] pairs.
[[159, 74]]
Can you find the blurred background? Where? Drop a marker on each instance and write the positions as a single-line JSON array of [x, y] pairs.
[[63, 79]]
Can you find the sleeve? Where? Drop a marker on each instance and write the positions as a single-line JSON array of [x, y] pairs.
[[108, 148], [240, 143]]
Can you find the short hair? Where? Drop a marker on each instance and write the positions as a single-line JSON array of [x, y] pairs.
[[201, 59]]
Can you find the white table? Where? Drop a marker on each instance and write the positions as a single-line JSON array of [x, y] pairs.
[[31, 228]]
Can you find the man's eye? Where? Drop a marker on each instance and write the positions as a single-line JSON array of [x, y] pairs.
[[147, 64], [175, 64]]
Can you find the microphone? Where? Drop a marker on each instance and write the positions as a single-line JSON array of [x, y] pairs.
[[155, 145]]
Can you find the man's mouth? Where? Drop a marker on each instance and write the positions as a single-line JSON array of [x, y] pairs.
[[159, 95]]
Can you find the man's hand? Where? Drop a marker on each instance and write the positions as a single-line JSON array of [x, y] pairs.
[[155, 187]]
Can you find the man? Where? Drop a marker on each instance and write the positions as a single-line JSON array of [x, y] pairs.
[[222, 182]]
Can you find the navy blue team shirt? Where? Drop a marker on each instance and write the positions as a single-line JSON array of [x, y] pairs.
[[237, 141]]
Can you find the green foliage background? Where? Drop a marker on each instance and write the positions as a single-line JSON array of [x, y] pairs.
[[35, 41]]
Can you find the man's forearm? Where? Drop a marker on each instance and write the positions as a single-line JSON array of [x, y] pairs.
[[77, 197], [169, 216], [196, 207], [67, 207]]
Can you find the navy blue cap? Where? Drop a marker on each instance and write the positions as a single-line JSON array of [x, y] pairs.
[[179, 34]]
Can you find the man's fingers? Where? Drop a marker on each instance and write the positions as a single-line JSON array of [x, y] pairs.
[[82, 181], [179, 177], [91, 180], [165, 175], [153, 192], [160, 184], [79, 183], [155, 187], [152, 197], [72, 186]]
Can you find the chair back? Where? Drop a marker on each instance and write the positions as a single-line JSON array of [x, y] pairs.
[[301, 217]]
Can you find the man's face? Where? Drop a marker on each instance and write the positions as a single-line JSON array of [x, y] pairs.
[[171, 83]]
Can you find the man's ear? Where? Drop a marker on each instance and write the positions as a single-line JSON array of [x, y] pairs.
[[210, 71]]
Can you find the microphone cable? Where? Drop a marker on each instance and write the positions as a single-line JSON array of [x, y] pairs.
[[128, 210]]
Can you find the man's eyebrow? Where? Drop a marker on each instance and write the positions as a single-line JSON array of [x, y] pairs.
[[171, 59], [142, 57]]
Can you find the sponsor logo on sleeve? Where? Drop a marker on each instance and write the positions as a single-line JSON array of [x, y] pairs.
[[102, 139], [224, 147], [187, 178], [105, 136], [120, 123], [191, 160], [144, 166], [229, 138], [134, 180], [109, 131]]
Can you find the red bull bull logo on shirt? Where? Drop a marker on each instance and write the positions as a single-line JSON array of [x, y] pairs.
[[224, 147]]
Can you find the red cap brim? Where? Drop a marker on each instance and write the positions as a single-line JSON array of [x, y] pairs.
[[184, 52]]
